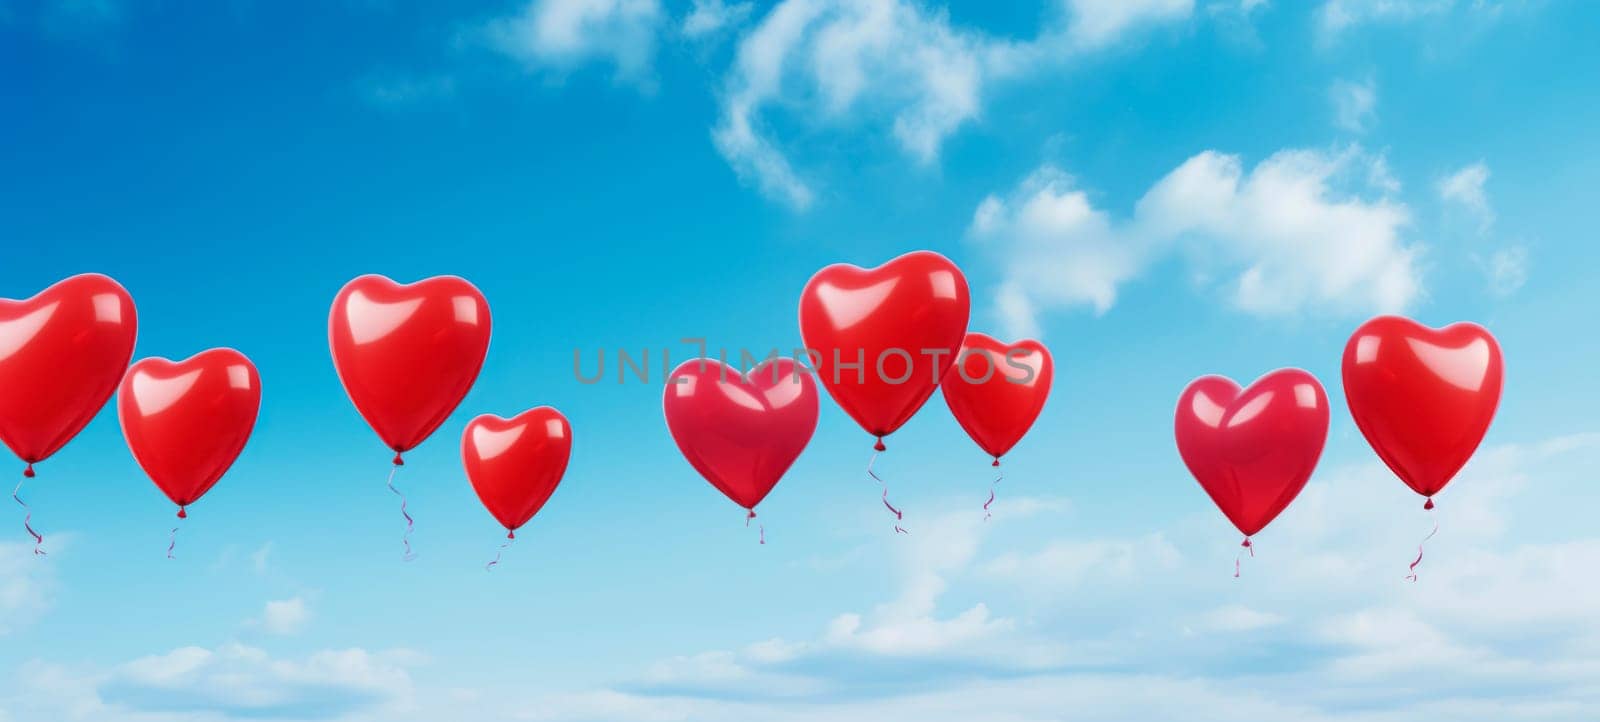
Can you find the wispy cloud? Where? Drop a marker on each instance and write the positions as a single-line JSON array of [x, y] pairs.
[[1355, 104], [1322, 627], [892, 65], [559, 36], [1336, 17], [710, 17], [284, 616], [229, 682], [1465, 189]]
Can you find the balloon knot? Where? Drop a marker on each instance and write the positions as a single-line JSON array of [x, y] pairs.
[[397, 460], [1246, 543], [1428, 506], [183, 513], [879, 446], [996, 461], [511, 534], [28, 472]]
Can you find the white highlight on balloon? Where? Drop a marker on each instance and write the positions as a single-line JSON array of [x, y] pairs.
[[1305, 395], [1252, 409], [17, 332], [371, 320], [847, 307], [1465, 367], [490, 443], [153, 395], [107, 307], [466, 309]]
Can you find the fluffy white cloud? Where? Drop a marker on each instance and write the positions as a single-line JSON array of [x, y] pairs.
[[1355, 104], [560, 35], [1303, 229]]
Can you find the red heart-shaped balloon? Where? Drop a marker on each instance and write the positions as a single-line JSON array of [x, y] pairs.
[[997, 390], [1253, 450], [408, 354], [1422, 397], [62, 353], [186, 422], [515, 464], [741, 432], [883, 337]]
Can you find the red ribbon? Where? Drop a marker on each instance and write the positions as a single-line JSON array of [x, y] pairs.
[[1412, 577], [27, 519], [410, 523], [1240, 556], [898, 516], [992, 485], [761, 527], [511, 538]]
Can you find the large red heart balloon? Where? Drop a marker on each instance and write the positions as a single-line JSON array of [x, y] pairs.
[[61, 355], [741, 432], [408, 354], [515, 464], [1422, 397], [1253, 450], [186, 422], [997, 390], [883, 337]]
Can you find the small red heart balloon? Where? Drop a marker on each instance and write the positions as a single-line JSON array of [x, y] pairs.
[[741, 432], [885, 336], [1253, 450], [997, 390], [408, 354], [1422, 397], [515, 464], [62, 353], [186, 422]]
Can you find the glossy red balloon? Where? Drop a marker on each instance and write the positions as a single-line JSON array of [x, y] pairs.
[[1253, 450], [408, 354], [515, 464], [186, 422], [62, 353], [741, 432], [997, 390], [1422, 397], [902, 321]]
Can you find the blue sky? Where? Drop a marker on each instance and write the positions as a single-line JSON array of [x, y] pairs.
[[1159, 189]]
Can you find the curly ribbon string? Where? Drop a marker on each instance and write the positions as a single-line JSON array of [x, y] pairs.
[[1412, 577], [898, 516], [997, 479], [1246, 547], [27, 519], [762, 527], [172, 540], [511, 538], [410, 523]]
